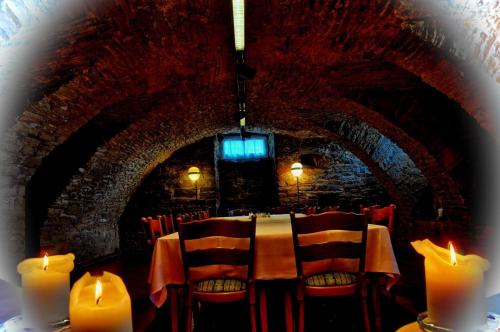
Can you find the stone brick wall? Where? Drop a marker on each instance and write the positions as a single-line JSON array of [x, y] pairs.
[[101, 191], [168, 189], [97, 195], [332, 175]]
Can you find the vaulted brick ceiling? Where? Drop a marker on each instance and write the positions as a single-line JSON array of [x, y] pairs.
[[129, 82]]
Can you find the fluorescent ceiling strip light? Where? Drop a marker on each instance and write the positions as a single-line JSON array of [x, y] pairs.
[[239, 24]]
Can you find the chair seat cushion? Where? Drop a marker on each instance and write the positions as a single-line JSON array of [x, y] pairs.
[[327, 279], [221, 285]]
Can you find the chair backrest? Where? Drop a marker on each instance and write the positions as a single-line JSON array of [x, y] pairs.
[[383, 215], [329, 221], [197, 230], [167, 221], [179, 219], [153, 229], [368, 209]]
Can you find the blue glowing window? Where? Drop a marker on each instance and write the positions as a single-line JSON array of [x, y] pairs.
[[250, 148]]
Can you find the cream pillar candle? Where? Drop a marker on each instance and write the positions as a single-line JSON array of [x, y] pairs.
[[45, 288], [100, 304], [454, 287]]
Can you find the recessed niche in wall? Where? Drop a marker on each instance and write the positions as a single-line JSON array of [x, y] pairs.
[[247, 179], [314, 160]]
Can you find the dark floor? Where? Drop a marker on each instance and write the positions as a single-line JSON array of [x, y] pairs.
[[406, 300]]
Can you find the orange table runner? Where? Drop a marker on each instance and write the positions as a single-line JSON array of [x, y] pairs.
[[274, 255]]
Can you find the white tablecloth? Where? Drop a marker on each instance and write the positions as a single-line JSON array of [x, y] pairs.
[[274, 255]]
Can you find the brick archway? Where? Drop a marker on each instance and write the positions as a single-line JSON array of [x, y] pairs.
[[315, 63], [116, 174]]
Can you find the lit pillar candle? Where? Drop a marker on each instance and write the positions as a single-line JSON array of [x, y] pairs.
[[454, 285], [45, 283], [100, 304]]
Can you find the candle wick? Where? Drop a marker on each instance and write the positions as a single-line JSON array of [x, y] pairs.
[[45, 268], [97, 301]]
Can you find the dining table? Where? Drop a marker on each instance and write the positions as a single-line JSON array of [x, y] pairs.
[[274, 257]]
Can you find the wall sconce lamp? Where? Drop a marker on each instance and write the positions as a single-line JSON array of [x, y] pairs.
[[194, 175], [297, 170]]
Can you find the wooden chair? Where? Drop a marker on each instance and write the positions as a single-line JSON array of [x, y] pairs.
[[152, 229], [219, 288], [331, 283], [382, 216], [178, 220], [368, 209], [167, 221]]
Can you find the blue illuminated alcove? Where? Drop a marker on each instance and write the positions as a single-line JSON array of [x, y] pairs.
[[236, 148]]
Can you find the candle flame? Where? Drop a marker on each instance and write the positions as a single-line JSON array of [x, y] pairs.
[[98, 291], [453, 256], [45, 262]]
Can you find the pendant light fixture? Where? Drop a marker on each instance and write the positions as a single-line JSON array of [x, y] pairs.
[[243, 72]]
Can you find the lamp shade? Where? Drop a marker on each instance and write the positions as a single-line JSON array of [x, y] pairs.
[[297, 169], [194, 173]]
